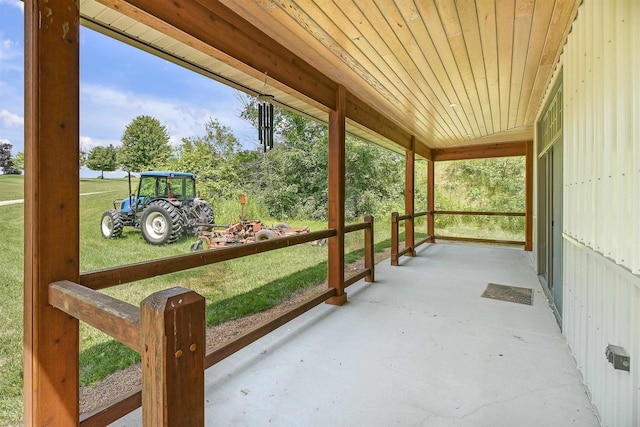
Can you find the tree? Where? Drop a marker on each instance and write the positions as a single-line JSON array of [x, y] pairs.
[[6, 162], [102, 159], [292, 177], [18, 161], [213, 158], [145, 145]]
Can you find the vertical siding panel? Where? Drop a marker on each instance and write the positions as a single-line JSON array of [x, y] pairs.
[[601, 143], [598, 148], [609, 128], [635, 47], [623, 125]]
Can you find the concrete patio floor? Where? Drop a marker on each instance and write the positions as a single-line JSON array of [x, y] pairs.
[[420, 347]]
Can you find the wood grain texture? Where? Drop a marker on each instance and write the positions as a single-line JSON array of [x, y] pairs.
[[116, 318], [369, 249], [481, 151], [449, 72], [51, 229], [108, 277], [409, 201], [337, 136], [173, 333]]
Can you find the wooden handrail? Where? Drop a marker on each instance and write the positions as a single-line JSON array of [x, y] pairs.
[[230, 347], [116, 318], [476, 240], [355, 227], [125, 274], [419, 214], [109, 277], [479, 213], [355, 277]]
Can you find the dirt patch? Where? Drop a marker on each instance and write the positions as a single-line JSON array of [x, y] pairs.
[[128, 380]]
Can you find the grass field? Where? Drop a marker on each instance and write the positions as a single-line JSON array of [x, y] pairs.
[[232, 289]]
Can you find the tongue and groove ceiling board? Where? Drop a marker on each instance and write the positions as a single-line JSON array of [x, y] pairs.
[[449, 72]]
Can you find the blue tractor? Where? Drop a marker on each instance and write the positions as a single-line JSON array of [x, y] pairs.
[[165, 207]]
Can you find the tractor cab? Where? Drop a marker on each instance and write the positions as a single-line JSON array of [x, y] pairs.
[[165, 206]]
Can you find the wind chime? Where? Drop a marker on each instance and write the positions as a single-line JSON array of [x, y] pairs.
[[265, 118], [265, 125]]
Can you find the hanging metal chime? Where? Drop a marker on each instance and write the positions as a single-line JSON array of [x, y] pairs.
[[265, 125]]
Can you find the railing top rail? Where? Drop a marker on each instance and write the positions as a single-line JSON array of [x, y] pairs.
[[109, 277], [480, 213], [355, 227]]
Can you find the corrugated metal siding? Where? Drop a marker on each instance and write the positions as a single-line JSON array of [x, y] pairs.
[[601, 222], [601, 302], [601, 133]]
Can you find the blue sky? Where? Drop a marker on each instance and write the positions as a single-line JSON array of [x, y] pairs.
[[117, 84]]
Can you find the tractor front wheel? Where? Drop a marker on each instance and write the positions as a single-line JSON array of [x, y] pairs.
[[111, 224], [161, 223]]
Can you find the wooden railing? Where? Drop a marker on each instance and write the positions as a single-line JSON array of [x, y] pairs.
[[173, 392], [477, 240], [409, 246]]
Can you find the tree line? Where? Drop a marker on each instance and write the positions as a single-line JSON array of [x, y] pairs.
[[290, 180]]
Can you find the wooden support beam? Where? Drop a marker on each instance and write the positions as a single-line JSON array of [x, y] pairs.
[[212, 24], [409, 205], [528, 230], [216, 30], [509, 149], [337, 137], [51, 228], [430, 199], [173, 327]]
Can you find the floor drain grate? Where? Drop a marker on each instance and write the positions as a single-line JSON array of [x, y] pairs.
[[509, 293]]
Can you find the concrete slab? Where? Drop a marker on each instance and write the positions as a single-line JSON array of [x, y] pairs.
[[419, 347]]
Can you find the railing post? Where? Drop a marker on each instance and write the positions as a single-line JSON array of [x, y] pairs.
[[528, 233], [173, 334], [394, 238], [337, 135], [431, 200], [369, 249], [409, 205], [51, 209]]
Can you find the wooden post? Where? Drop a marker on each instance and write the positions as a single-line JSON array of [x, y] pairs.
[[394, 238], [431, 200], [369, 249], [409, 189], [337, 135], [51, 210], [173, 358], [528, 238]]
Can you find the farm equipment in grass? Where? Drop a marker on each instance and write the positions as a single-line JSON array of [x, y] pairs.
[[244, 231], [165, 206]]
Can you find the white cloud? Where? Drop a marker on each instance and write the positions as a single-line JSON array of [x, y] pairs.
[[16, 3], [107, 111], [88, 143], [10, 119]]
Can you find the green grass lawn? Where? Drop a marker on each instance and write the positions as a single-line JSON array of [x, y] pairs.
[[232, 289]]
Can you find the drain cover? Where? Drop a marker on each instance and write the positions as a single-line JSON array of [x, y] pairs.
[[509, 293]]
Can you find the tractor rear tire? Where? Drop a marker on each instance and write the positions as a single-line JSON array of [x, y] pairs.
[[203, 213], [265, 235], [161, 223], [111, 224]]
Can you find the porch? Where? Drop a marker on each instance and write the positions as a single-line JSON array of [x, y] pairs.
[[420, 346]]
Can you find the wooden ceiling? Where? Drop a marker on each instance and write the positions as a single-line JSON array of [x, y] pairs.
[[442, 73]]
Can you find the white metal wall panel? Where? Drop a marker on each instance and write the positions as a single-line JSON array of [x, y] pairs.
[[601, 308], [601, 134], [601, 219]]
